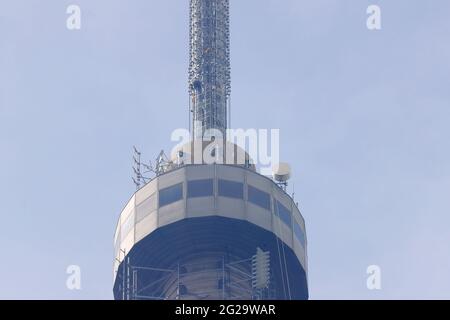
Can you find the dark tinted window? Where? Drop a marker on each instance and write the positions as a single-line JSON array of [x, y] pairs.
[[299, 234], [170, 194], [200, 188], [258, 197], [284, 213], [231, 189]]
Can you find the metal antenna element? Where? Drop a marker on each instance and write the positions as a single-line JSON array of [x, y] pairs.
[[209, 68], [143, 173], [140, 170], [163, 164], [261, 269], [137, 168]]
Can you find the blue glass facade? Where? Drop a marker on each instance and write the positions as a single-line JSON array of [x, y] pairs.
[[299, 234], [258, 197], [231, 189], [284, 213], [170, 195], [200, 188]]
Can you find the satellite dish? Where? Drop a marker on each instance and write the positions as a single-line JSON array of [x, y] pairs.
[[281, 172]]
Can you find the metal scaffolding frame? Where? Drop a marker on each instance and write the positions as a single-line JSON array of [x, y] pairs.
[[235, 280]]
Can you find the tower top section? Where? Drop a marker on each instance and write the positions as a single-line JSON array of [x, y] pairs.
[[209, 67]]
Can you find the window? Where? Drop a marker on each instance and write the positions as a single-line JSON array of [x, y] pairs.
[[200, 188], [299, 234], [231, 189], [283, 213], [170, 195], [259, 197]]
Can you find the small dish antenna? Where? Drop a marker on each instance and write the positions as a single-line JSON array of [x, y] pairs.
[[281, 173]]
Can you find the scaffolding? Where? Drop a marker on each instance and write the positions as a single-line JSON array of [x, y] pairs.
[[209, 279], [209, 68]]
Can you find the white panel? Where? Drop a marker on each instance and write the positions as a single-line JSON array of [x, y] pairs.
[[171, 178], [147, 206], [117, 233], [128, 242], [127, 210], [117, 241], [259, 182], [115, 267], [200, 207], [231, 208], [127, 226], [230, 173], [200, 172], [146, 226], [259, 216], [171, 213], [146, 191]]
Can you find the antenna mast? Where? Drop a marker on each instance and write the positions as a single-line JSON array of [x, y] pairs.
[[140, 170], [209, 68]]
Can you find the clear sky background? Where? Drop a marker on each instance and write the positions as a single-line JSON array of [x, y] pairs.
[[364, 118]]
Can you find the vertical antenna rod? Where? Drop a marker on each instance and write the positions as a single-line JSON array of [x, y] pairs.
[[209, 67]]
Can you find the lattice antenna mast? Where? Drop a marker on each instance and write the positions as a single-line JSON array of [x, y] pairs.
[[137, 168], [209, 68], [140, 170]]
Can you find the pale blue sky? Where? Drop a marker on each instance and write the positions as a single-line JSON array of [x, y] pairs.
[[364, 119]]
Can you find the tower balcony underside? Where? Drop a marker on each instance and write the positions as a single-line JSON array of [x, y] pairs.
[[212, 211]]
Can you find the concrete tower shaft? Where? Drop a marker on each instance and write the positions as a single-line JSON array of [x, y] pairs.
[[209, 68]]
